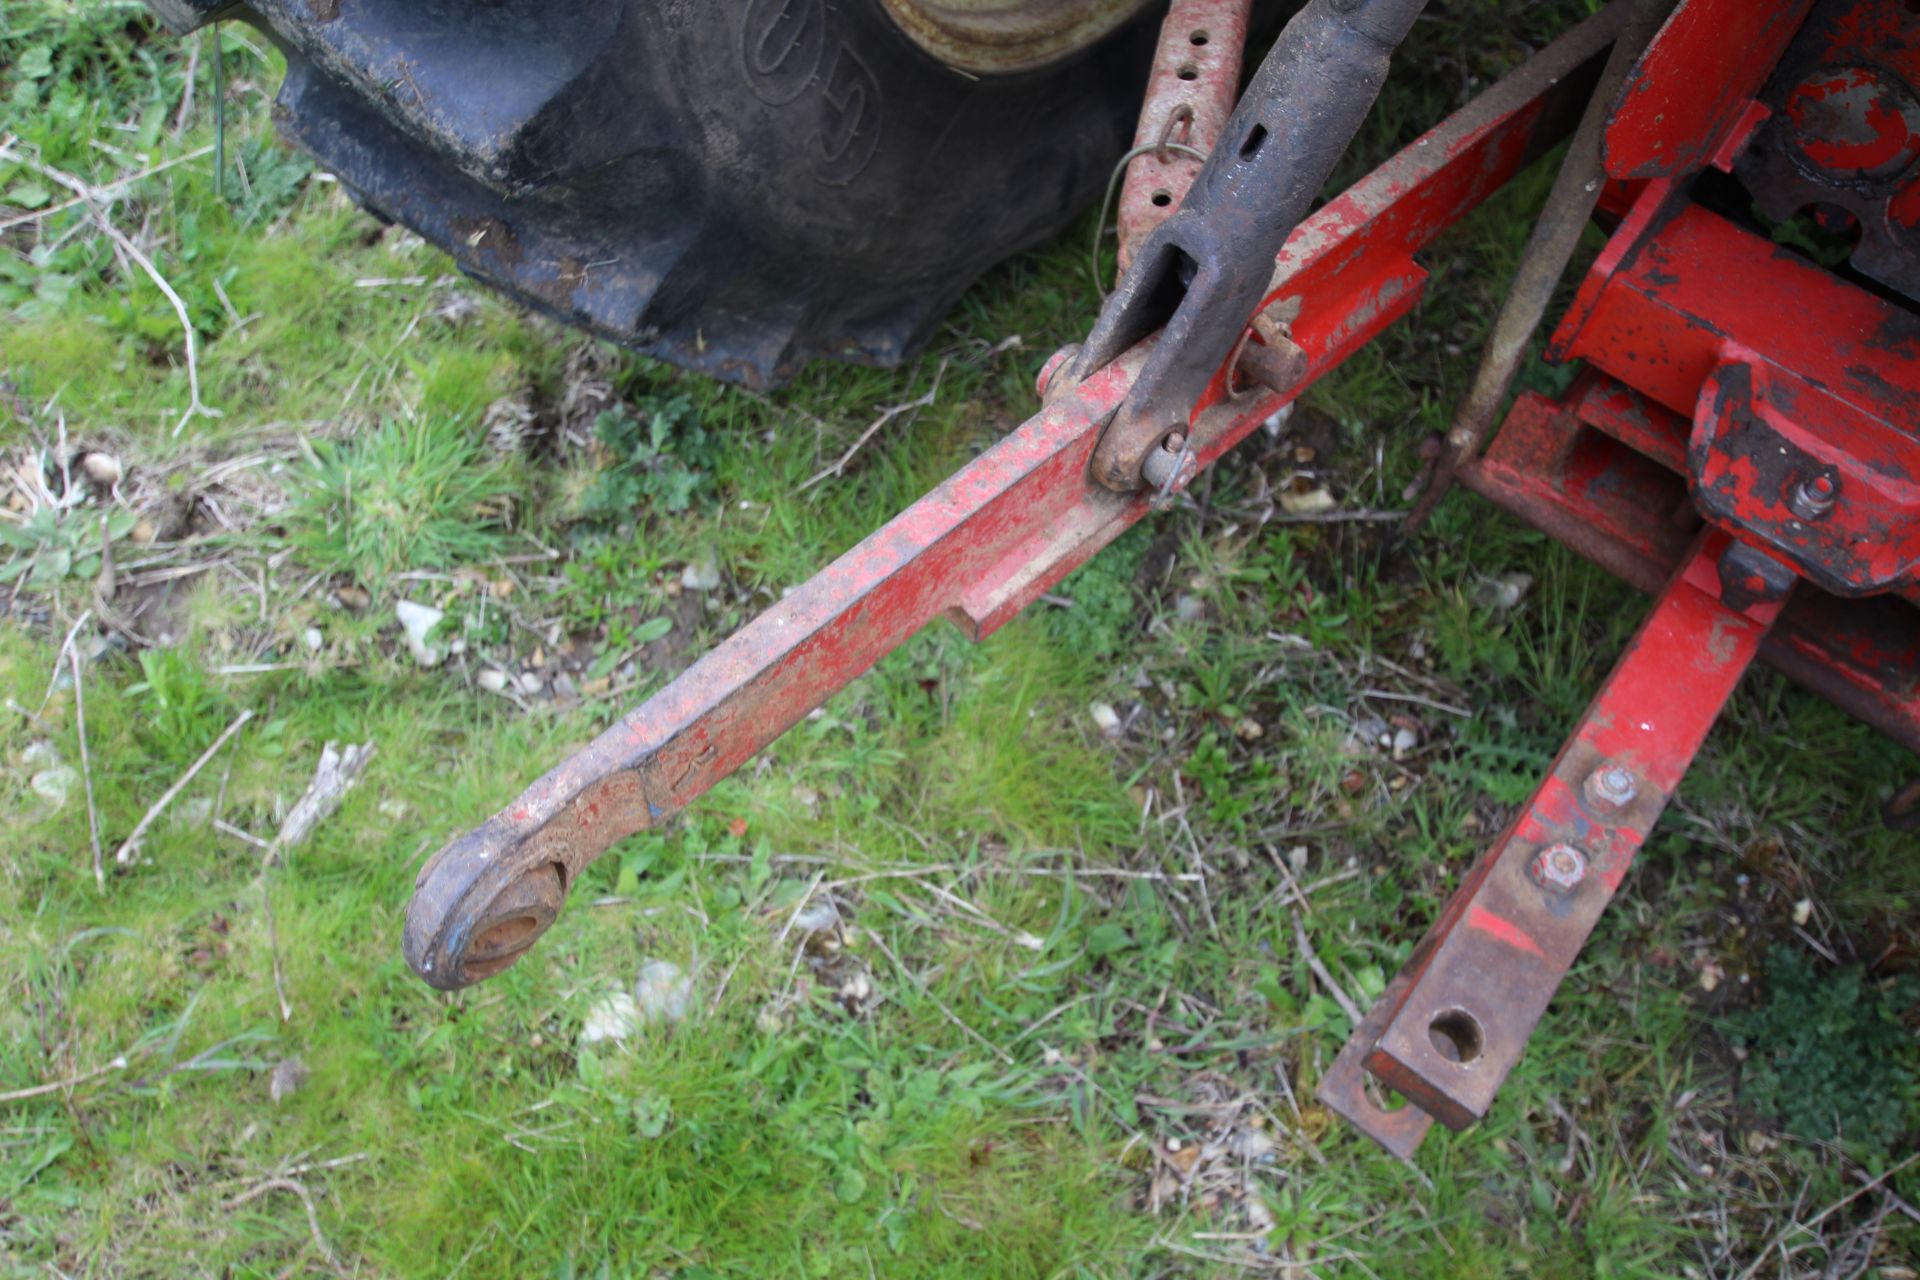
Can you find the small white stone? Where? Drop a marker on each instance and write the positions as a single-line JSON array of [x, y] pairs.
[[1803, 911], [39, 751], [102, 468], [55, 785], [1313, 502], [613, 1017], [531, 682], [312, 639], [493, 680], [1404, 741], [419, 621], [816, 917], [1504, 592], [1187, 609], [1105, 718], [662, 991], [701, 575], [1252, 1144]]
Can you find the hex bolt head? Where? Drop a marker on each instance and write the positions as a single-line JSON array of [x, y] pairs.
[[1559, 867], [1612, 787], [1814, 497]]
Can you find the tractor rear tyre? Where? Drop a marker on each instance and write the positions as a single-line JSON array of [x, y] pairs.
[[738, 186]]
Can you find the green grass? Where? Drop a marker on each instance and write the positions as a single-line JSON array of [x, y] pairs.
[[929, 1090], [408, 494]]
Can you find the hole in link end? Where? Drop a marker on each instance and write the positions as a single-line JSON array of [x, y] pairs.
[[1456, 1036], [480, 933]]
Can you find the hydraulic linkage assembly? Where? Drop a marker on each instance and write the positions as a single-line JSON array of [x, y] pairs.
[[1748, 458]]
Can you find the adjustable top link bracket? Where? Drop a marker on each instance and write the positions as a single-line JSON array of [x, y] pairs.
[[1201, 273]]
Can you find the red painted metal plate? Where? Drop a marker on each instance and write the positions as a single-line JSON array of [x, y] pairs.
[[1694, 82]]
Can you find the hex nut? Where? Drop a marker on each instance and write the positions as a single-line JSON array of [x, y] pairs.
[[1560, 867], [1612, 787], [1813, 497]]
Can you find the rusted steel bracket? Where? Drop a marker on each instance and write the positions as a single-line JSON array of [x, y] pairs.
[[979, 548], [1200, 275], [1454, 1023], [1196, 76], [1602, 471]]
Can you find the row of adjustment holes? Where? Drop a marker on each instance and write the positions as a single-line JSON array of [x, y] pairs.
[[1162, 198], [1188, 71]]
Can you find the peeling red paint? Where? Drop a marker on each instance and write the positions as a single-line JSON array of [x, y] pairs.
[[1503, 930]]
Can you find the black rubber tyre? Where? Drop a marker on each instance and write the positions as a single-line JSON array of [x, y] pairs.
[[738, 186]]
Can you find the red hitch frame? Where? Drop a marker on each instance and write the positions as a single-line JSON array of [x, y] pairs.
[[1743, 442], [982, 546]]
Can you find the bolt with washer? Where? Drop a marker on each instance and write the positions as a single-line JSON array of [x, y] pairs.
[[1163, 464], [1814, 496], [1558, 866], [1612, 787]]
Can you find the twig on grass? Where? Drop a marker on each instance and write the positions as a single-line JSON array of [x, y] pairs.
[[104, 191], [57, 1086], [306, 1199], [53, 681], [1019, 937], [338, 1162], [801, 905], [922, 987], [1320, 971], [86, 767], [89, 197], [245, 837], [273, 940], [226, 776], [887, 415], [1780, 1236], [1359, 516], [124, 854], [1860, 1175], [336, 773], [186, 93]]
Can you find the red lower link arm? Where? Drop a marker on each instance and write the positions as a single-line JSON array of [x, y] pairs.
[[1455, 1021], [980, 547]]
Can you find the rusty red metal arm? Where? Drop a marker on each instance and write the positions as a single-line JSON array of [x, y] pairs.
[[1454, 1023], [1196, 76], [978, 549]]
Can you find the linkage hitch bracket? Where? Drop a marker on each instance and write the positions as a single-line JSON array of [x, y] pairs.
[[988, 541], [1199, 276]]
